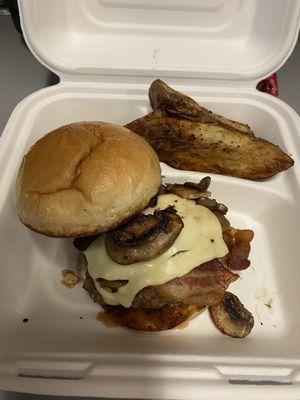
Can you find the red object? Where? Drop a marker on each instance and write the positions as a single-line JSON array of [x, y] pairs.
[[269, 85]]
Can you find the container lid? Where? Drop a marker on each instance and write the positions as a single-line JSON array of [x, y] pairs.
[[206, 39]]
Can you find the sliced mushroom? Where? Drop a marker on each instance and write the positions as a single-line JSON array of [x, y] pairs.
[[190, 190], [231, 317], [144, 238], [212, 204], [225, 224], [202, 186]]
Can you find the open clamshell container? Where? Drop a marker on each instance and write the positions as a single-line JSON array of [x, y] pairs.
[[106, 53]]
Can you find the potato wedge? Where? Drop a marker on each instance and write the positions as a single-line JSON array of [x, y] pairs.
[[190, 137]]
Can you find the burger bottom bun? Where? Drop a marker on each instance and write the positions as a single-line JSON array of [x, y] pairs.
[[151, 320]]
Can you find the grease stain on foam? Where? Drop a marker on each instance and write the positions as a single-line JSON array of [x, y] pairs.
[[266, 296], [269, 303], [264, 308], [107, 320], [185, 324]]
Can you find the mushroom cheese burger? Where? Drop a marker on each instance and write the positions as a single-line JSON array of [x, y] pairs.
[[156, 254]]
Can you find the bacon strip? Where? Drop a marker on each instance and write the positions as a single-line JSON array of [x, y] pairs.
[[239, 251], [204, 285], [238, 243]]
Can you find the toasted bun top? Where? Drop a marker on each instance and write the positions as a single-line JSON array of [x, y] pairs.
[[85, 178]]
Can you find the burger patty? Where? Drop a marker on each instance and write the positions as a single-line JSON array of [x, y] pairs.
[[203, 286]]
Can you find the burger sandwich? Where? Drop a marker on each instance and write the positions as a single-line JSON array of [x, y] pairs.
[[156, 254]]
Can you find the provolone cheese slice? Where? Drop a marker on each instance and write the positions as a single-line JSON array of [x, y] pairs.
[[199, 241]]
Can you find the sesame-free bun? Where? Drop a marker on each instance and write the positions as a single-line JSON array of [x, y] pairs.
[[85, 178]]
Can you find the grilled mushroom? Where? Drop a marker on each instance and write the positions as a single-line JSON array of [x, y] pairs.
[[231, 317], [212, 204], [190, 190], [202, 186], [144, 238]]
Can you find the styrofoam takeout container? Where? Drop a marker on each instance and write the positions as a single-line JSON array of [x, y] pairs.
[[106, 53]]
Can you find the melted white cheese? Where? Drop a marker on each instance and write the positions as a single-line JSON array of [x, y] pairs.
[[199, 241]]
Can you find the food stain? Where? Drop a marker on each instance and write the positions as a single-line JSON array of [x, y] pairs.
[[106, 319], [269, 303], [186, 323], [266, 296], [183, 325], [264, 308], [69, 278]]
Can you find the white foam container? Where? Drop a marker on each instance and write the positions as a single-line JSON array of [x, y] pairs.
[[106, 53]]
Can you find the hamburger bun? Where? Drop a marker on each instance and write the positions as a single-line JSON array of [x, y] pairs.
[[85, 178], [152, 320]]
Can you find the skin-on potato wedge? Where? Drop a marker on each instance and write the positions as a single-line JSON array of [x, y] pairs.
[[190, 137], [178, 104]]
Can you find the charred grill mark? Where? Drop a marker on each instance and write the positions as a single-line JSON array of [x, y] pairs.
[[142, 228]]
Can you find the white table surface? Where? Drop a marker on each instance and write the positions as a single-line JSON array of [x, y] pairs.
[[21, 74]]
